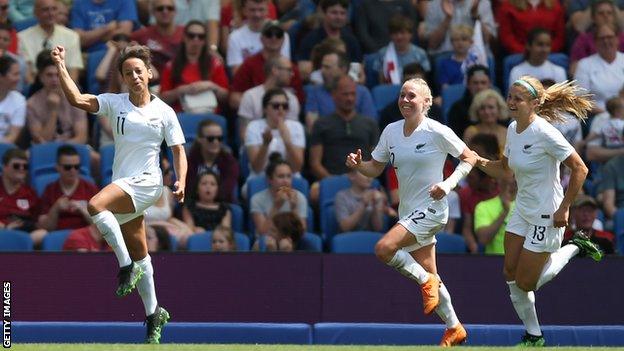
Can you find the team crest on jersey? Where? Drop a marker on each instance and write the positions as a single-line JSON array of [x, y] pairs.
[[23, 204], [419, 148]]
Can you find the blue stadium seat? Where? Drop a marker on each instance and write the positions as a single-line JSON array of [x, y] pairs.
[[107, 155], [24, 24], [40, 182], [355, 242], [311, 242], [54, 240], [190, 121], [43, 159], [450, 243], [510, 61], [15, 240], [93, 61], [238, 218], [450, 95], [618, 228], [437, 65], [243, 162], [203, 242], [385, 94]]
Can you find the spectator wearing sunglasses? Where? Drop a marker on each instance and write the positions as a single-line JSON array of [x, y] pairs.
[[274, 134], [19, 204], [251, 72], [164, 36], [64, 201], [245, 41], [194, 70], [208, 152], [279, 72]]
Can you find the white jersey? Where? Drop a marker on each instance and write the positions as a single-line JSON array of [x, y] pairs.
[[138, 133], [535, 156], [418, 160]]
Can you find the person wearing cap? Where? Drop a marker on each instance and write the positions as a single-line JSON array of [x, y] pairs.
[[584, 214], [245, 41], [251, 72]]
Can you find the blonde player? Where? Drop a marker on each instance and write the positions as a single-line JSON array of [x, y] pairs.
[[140, 121], [417, 147], [534, 151]]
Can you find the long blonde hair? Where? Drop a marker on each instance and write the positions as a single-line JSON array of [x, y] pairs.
[[566, 96]]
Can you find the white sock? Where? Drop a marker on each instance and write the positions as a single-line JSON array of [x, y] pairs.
[[445, 309], [406, 265], [107, 224], [524, 303], [145, 286], [555, 263]]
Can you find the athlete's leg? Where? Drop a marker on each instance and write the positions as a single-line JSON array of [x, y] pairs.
[[111, 199], [388, 250]]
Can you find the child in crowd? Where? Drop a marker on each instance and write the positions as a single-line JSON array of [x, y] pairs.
[[360, 207], [202, 212], [285, 232], [449, 70], [223, 239]]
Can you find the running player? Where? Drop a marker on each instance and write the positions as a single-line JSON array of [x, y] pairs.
[[417, 147], [534, 152], [140, 121]]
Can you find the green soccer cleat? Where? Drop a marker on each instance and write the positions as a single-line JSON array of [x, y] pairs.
[[155, 322], [128, 278], [586, 247], [529, 340]]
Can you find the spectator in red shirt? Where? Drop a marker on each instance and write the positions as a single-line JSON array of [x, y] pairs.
[[19, 204], [517, 17], [64, 201], [251, 72], [194, 69], [85, 239], [164, 36], [583, 214]]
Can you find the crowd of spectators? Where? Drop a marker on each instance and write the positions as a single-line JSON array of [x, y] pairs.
[[297, 84]]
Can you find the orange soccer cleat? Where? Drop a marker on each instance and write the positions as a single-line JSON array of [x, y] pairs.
[[454, 336], [430, 295]]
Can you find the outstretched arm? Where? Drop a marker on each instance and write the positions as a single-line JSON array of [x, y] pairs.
[[370, 168], [86, 102], [468, 159], [495, 169]]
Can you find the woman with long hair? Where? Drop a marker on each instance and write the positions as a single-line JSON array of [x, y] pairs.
[[194, 70], [533, 152]]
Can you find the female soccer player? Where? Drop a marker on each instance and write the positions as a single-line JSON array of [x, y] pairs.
[[534, 151], [140, 121], [417, 147]]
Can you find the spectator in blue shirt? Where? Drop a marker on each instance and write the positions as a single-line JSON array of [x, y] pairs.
[[97, 21]]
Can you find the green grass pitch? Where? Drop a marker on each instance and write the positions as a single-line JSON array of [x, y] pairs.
[[208, 347]]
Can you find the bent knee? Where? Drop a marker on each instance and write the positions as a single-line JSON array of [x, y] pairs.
[[525, 285], [94, 207], [385, 250], [509, 274]]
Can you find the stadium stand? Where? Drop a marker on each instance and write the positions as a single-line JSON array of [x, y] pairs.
[[15, 240]]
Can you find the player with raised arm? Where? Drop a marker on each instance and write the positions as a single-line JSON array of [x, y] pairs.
[[140, 122], [417, 147], [534, 151]]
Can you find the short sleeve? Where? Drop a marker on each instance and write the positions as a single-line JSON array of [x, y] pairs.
[[297, 134], [481, 217], [449, 142], [253, 134], [341, 206], [127, 11], [245, 110], [19, 118], [381, 152], [556, 144], [105, 104], [302, 205], [173, 130], [312, 102], [256, 203], [234, 55]]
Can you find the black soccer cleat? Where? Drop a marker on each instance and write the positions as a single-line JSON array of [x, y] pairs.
[[155, 322], [128, 278]]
